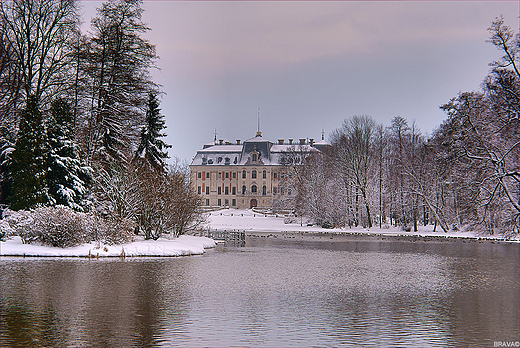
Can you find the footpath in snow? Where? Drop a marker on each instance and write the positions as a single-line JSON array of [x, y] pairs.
[[181, 246], [251, 221]]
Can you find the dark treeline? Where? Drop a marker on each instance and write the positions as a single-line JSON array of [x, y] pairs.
[[80, 118], [464, 175]]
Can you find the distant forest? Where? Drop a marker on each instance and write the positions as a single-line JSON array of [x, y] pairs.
[[466, 175]]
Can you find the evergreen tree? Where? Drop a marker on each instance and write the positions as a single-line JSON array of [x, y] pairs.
[[152, 149], [67, 178], [6, 151], [28, 160]]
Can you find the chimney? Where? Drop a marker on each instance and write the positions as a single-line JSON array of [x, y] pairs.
[[238, 141], [280, 141], [290, 141], [221, 141], [302, 141]]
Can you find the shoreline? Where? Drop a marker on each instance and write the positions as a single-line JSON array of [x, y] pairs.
[[344, 236]]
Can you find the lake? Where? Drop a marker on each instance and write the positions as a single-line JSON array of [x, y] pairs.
[[278, 290]]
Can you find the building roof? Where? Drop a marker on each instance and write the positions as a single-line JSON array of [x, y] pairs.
[[241, 154]]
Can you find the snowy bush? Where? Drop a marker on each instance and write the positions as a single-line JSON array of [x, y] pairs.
[[60, 226], [111, 231], [55, 226]]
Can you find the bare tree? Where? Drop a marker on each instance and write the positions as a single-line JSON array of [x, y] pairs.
[[36, 38], [117, 64], [354, 152]]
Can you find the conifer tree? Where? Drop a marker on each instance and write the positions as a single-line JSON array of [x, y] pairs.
[[152, 149], [28, 160], [67, 177]]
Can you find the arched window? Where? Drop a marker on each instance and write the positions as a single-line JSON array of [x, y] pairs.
[[253, 189], [243, 174], [264, 174], [253, 174], [244, 189], [264, 190]]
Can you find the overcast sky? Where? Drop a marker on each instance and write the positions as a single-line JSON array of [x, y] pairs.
[[310, 65]]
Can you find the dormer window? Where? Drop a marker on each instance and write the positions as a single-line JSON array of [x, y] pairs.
[[254, 157]]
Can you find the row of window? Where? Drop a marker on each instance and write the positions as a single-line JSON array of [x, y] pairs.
[[226, 202], [254, 189], [254, 173]]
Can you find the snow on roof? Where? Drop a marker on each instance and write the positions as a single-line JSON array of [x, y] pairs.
[[232, 154]]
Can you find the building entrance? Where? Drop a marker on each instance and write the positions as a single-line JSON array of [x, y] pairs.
[[253, 203]]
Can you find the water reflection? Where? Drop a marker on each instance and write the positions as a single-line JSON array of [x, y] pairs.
[[273, 292]]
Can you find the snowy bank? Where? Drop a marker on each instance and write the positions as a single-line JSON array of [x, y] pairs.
[[181, 246], [251, 221]]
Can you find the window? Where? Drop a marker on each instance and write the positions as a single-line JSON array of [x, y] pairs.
[[244, 189], [227, 175], [207, 202], [199, 190], [234, 202], [226, 202], [254, 157], [289, 191], [243, 174], [253, 189], [234, 175], [219, 190], [253, 174], [219, 202], [219, 175], [264, 174], [207, 190], [264, 190], [233, 190], [274, 190], [226, 191], [281, 191], [207, 175], [274, 175], [199, 175]]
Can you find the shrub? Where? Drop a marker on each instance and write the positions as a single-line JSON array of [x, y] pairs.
[[60, 226]]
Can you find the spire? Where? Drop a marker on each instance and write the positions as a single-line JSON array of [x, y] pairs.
[[215, 139], [258, 133], [322, 134]]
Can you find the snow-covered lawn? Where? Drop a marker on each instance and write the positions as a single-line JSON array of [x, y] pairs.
[[182, 246], [250, 221]]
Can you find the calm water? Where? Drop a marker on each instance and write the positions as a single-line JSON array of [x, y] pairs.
[[285, 291]]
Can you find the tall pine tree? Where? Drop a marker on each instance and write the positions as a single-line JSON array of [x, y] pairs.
[[67, 177], [151, 149], [29, 160]]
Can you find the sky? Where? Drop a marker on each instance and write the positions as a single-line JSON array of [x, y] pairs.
[[306, 66]]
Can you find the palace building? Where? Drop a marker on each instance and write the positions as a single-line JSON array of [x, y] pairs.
[[245, 174]]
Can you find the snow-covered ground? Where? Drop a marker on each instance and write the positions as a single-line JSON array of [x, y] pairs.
[[250, 221], [222, 220], [182, 246]]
